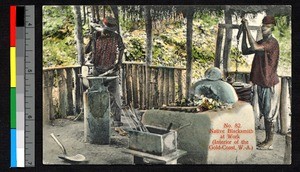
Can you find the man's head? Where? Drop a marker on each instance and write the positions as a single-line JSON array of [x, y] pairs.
[[110, 24], [268, 24]]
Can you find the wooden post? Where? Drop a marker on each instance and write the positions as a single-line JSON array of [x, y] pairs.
[[115, 10], [288, 149], [226, 52], [284, 111], [62, 93], [189, 48], [148, 21], [219, 47], [93, 13], [97, 12], [69, 88], [78, 91], [78, 34]]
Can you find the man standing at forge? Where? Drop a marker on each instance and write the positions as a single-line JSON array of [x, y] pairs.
[[264, 74], [107, 50]]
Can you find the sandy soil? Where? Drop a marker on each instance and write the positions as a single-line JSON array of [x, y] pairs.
[[71, 134]]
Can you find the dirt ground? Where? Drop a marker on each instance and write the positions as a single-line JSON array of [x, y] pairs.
[[71, 134]]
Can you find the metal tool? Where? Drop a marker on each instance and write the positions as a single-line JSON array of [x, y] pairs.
[[76, 158]]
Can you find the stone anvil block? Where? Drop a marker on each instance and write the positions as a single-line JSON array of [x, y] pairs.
[[213, 137], [158, 141]]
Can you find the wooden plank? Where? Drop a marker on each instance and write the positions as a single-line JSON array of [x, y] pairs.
[[129, 84], [69, 88], [288, 149], [155, 88], [141, 87], [124, 86], [235, 26], [78, 91], [51, 75], [219, 47], [172, 85], [145, 86], [134, 86], [284, 111], [61, 67], [167, 86], [167, 158], [179, 81], [161, 87], [47, 97], [149, 90], [153, 66], [62, 100]]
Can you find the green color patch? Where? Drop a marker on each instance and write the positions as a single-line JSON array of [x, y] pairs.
[[13, 107]]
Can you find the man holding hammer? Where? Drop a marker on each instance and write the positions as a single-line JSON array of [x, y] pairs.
[[264, 74]]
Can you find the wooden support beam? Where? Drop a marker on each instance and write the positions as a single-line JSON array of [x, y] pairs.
[[235, 26], [219, 47], [284, 111], [189, 48], [69, 85], [78, 91], [62, 93], [226, 52]]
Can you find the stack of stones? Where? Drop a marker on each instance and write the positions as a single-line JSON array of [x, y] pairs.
[[214, 87]]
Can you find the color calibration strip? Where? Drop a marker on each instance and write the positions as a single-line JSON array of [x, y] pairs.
[[20, 43]]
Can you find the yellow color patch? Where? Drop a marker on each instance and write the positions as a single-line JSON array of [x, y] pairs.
[[13, 66]]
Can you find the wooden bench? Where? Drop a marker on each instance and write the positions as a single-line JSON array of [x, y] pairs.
[[138, 157]]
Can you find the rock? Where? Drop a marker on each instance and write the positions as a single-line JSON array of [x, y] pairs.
[[213, 87], [213, 74]]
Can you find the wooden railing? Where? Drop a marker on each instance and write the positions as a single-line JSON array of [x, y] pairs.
[[62, 95], [162, 86], [61, 92]]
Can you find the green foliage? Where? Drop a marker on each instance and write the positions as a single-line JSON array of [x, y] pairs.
[[169, 40], [58, 36], [237, 60], [283, 34], [135, 49]]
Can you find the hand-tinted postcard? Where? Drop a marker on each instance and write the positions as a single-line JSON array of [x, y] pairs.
[[167, 84]]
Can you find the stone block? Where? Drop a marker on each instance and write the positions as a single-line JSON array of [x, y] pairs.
[[157, 141], [213, 137]]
